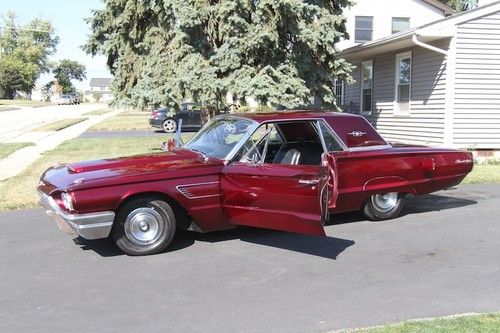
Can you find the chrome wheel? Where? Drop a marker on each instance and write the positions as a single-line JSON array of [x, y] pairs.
[[384, 203], [170, 125], [144, 226]]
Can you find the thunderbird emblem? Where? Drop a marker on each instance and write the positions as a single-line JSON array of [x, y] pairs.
[[357, 133]]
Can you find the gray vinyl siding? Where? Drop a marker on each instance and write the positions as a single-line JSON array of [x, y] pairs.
[[425, 124], [476, 120]]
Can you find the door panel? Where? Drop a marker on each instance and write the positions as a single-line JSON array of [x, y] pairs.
[[274, 196]]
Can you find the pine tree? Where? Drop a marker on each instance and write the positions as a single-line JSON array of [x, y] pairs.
[[281, 52]]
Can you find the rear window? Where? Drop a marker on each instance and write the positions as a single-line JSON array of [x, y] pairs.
[[356, 132]]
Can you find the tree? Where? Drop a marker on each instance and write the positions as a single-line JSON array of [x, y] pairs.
[[25, 51], [460, 5], [67, 70], [97, 96], [281, 52]]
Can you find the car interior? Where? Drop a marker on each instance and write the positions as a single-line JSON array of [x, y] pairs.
[[292, 143]]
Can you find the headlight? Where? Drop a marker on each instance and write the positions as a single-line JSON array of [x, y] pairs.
[[67, 201]]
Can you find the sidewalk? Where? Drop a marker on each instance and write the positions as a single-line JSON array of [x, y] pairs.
[[21, 159]]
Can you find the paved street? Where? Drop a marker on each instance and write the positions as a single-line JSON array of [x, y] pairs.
[[441, 258]]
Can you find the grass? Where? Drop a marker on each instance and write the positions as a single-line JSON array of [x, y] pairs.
[[98, 112], [8, 148], [19, 191], [24, 102], [123, 122], [59, 125], [483, 173], [8, 108], [481, 323]]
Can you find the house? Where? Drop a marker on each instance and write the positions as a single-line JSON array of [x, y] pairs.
[[436, 84], [99, 87], [369, 20]]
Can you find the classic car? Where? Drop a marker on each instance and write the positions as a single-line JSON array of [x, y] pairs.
[[284, 171]]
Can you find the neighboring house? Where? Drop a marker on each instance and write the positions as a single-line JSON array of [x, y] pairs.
[[101, 86], [369, 20], [438, 84]]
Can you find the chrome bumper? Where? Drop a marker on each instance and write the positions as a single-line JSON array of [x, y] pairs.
[[89, 226]]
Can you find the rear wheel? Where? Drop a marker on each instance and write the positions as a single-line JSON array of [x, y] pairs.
[[169, 126], [385, 206], [144, 226]]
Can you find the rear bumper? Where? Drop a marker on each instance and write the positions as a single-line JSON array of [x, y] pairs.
[[155, 122], [89, 226]]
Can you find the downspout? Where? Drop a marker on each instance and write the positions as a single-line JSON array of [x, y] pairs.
[[450, 85], [415, 40]]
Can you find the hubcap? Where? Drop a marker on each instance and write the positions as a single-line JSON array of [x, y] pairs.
[[169, 125], [144, 226], [385, 202]]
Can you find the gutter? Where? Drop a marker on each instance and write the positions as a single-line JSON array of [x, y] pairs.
[[415, 41]]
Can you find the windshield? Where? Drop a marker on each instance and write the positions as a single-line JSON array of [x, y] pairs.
[[219, 136]]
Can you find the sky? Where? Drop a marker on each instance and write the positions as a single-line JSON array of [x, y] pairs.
[[68, 19]]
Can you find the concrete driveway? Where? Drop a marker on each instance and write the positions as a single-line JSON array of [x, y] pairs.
[[13, 123], [441, 258]]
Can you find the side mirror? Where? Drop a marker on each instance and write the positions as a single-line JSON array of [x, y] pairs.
[[169, 145]]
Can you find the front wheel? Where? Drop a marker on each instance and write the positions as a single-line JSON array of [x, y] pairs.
[[385, 206], [169, 126], [144, 226]]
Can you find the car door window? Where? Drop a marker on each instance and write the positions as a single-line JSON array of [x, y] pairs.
[[331, 143]]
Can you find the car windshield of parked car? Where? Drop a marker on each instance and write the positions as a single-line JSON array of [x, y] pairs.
[[220, 136]]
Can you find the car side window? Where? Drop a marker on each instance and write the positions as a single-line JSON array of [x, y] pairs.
[[260, 147], [331, 143]]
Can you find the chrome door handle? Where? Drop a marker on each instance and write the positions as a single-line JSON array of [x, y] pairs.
[[308, 182]]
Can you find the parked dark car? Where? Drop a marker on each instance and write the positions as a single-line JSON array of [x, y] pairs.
[[168, 118]]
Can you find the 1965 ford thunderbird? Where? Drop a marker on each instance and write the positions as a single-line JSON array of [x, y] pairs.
[[284, 171]]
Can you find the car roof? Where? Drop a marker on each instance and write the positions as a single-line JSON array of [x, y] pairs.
[[295, 114]]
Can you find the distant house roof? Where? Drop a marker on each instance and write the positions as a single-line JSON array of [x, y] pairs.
[[100, 82], [447, 10]]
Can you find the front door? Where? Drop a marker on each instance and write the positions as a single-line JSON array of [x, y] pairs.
[[275, 196]]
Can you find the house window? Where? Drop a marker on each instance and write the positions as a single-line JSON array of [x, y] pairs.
[[366, 87], [339, 92], [363, 29], [402, 83], [400, 24]]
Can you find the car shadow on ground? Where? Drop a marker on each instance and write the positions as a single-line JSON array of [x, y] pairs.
[[414, 205], [327, 247]]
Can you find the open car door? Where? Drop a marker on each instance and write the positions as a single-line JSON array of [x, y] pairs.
[[279, 197], [279, 182]]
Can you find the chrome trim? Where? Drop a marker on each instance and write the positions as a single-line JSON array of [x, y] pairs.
[[89, 226], [368, 148], [189, 195], [321, 138]]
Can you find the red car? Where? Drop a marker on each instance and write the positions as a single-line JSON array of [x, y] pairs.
[[283, 171]]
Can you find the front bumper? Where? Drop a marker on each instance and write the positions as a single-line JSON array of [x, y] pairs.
[[89, 226]]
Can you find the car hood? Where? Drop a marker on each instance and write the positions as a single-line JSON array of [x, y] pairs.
[[132, 169]]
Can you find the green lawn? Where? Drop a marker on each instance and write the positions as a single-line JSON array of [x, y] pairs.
[[24, 102], [8, 148], [483, 173], [483, 323], [59, 125], [19, 191], [98, 112], [123, 122]]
